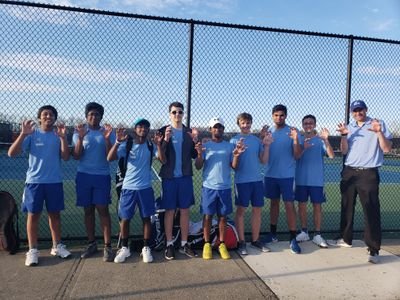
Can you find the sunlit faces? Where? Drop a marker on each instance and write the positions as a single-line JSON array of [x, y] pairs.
[[176, 114], [359, 114], [141, 130], [308, 125], [93, 118], [245, 126], [47, 118], [217, 131], [279, 118]]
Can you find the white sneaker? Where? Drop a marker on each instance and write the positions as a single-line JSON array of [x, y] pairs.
[[32, 257], [302, 237], [60, 251], [373, 258], [122, 255], [341, 243], [146, 255], [320, 241]]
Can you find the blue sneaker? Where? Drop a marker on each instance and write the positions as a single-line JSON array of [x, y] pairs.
[[294, 247], [271, 238]]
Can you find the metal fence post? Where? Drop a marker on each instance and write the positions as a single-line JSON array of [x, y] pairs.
[[190, 70]]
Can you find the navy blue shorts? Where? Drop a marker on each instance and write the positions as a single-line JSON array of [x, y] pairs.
[[35, 194], [315, 193], [177, 193], [249, 192], [92, 189], [216, 202], [144, 199], [275, 187]]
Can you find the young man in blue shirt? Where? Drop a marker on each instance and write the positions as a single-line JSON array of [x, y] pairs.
[[91, 144], [310, 177], [46, 148], [216, 157], [279, 173], [136, 186], [248, 181], [363, 142]]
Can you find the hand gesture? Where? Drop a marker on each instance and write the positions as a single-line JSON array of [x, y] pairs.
[[61, 130], [267, 139], [168, 133], [324, 134], [194, 135], [342, 128], [121, 134], [293, 133], [27, 127], [107, 131], [199, 148], [375, 126], [240, 148], [82, 130], [264, 131]]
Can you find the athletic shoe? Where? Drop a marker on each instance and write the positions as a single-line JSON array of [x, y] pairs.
[[242, 248], [319, 241], [108, 255], [207, 251], [223, 251], [60, 251], [170, 252], [260, 246], [342, 243], [32, 257], [122, 255], [271, 238], [294, 247], [373, 257], [187, 250], [90, 250], [146, 255], [302, 237]]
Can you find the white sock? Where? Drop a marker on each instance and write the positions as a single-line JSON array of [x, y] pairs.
[[183, 243], [170, 243]]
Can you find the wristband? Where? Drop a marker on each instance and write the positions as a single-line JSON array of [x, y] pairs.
[[344, 134]]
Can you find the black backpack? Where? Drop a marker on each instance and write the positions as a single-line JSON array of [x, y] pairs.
[[9, 233], [123, 162]]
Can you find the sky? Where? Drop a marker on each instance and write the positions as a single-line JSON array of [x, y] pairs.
[[367, 18]]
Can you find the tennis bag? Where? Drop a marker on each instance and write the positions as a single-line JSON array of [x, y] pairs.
[[9, 233]]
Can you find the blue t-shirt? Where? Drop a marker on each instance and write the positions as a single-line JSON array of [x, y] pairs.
[[138, 171], [44, 150], [177, 140], [249, 168], [310, 166], [94, 157], [364, 150], [217, 165], [281, 163]]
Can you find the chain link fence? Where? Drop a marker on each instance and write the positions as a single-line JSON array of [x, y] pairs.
[[136, 65]]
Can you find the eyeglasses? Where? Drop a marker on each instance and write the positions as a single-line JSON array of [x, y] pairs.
[[174, 112]]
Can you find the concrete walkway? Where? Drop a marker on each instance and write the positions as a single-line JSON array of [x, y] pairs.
[[334, 273]]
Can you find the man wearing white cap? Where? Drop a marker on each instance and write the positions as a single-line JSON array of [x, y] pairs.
[[363, 142], [217, 157]]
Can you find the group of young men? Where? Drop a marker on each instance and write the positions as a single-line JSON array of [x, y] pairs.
[[288, 158]]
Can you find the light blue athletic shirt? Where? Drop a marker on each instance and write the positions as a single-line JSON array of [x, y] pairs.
[[310, 166], [177, 140], [44, 150], [217, 165], [138, 173], [281, 163], [364, 150], [249, 168], [94, 158]]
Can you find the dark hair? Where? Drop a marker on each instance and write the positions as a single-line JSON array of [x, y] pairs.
[[94, 106], [175, 104], [309, 117], [244, 116], [47, 107], [279, 107]]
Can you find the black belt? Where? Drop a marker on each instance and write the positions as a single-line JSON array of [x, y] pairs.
[[360, 169]]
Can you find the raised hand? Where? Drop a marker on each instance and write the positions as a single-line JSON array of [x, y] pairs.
[[121, 134], [194, 135], [375, 126], [240, 148], [267, 139], [61, 130], [293, 133], [342, 128], [324, 134], [82, 130], [27, 127], [107, 131], [168, 133], [264, 131], [199, 148]]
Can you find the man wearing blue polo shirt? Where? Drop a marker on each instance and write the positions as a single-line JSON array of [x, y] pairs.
[[363, 142], [279, 173]]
